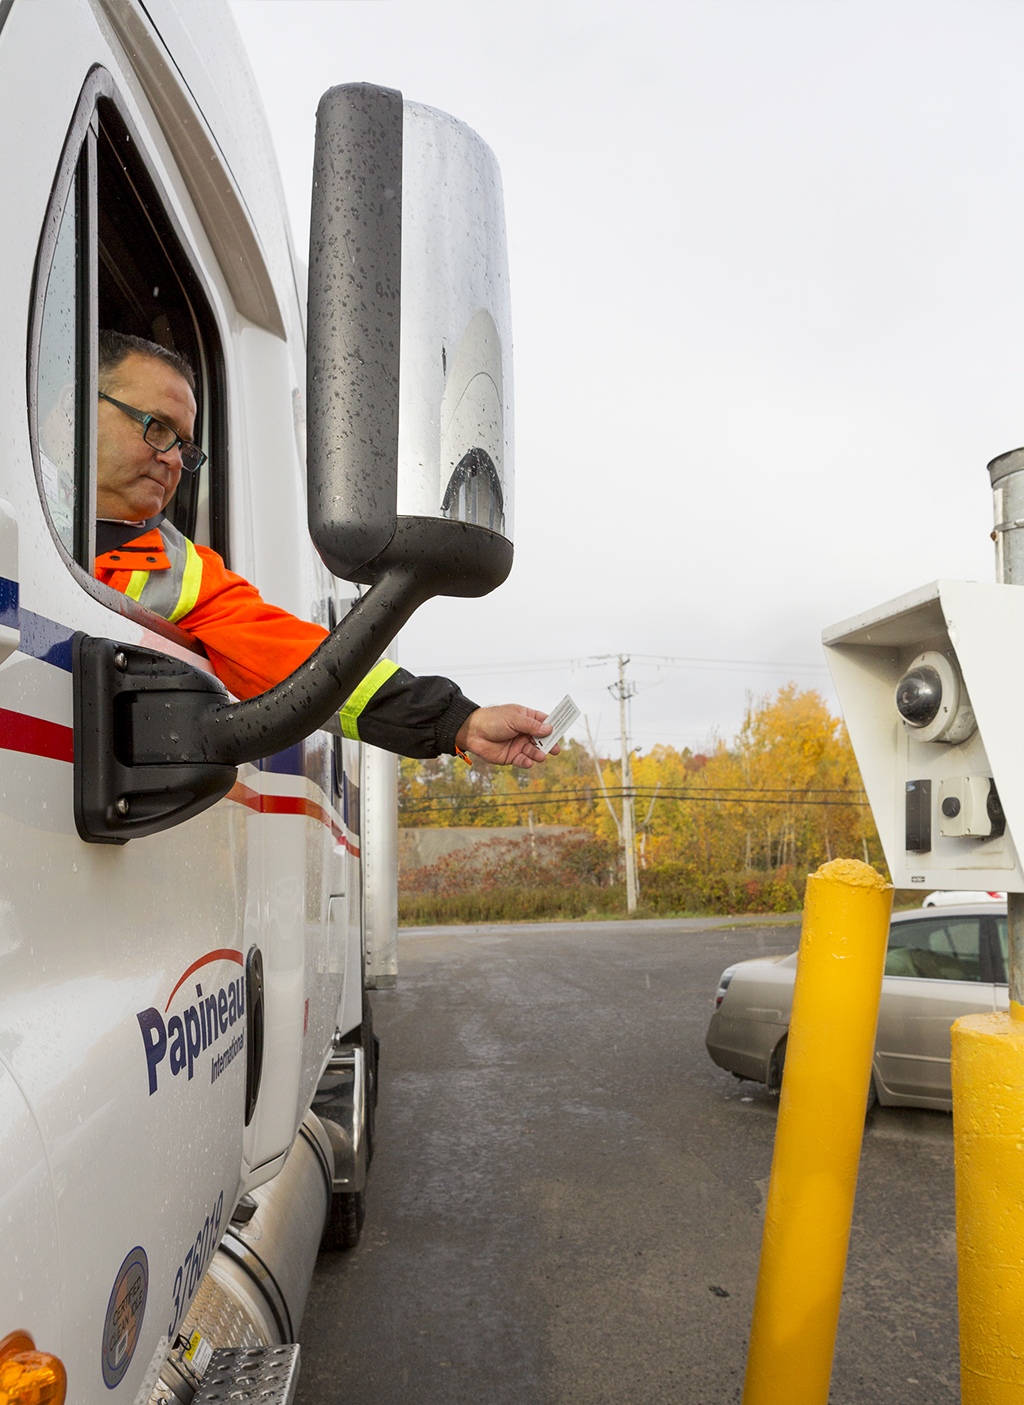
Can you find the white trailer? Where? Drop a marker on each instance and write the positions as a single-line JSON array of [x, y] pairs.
[[196, 894]]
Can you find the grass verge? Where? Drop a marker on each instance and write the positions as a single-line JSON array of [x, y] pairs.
[[586, 902]]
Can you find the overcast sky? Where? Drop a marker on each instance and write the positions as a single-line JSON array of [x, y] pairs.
[[767, 301]]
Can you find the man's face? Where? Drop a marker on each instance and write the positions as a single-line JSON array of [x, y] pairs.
[[134, 480]]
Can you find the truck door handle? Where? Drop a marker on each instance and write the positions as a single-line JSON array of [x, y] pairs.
[[254, 1023], [10, 618]]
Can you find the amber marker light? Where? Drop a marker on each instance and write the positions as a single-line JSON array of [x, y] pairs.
[[27, 1376]]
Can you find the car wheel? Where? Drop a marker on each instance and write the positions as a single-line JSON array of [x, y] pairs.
[[776, 1065]]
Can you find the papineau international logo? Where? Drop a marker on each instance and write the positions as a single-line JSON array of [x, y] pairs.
[[213, 1023]]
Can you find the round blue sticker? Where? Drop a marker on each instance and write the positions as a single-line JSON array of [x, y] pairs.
[[125, 1311]]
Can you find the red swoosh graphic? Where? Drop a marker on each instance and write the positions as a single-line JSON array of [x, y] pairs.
[[224, 953], [289, 805], [21, 732]]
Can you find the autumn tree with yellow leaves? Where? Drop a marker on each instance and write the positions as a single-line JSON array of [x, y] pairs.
[[785, 795]]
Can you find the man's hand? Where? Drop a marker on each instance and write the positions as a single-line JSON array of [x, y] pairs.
[[504, 735]]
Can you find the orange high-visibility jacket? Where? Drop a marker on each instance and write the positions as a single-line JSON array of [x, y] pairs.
[[253, 645]]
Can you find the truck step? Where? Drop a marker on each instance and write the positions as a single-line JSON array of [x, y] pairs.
[[268, 1375]]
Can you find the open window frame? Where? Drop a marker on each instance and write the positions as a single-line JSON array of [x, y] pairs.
[[132, 272]]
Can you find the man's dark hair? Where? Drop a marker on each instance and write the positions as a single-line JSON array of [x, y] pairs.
[[116, 346]]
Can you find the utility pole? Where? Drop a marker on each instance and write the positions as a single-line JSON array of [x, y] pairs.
[[624, 690]]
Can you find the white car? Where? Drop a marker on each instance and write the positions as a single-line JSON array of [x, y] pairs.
[[955, 897], [939, 966]]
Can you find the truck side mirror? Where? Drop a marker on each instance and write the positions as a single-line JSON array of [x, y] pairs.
[[409, 394]]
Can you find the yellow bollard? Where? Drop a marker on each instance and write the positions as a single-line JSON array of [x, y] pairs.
[[988, 1141], [818, 1136]]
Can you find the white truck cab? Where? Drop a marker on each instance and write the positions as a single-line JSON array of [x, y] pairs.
[[196, 894]]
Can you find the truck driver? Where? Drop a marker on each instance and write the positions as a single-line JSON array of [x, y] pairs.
[[145, 422]]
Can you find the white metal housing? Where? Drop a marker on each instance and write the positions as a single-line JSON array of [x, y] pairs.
[[977, 626]]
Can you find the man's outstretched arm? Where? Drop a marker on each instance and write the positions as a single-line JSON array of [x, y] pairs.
[[431, 716]]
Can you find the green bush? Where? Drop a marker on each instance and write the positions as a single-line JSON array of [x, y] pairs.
[[548, 904], [681, 888], [671, 889], [499, 865]]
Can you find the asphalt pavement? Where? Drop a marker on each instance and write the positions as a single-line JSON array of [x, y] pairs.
[[566, 1201]]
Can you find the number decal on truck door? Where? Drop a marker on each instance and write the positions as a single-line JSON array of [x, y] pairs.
[[189, 1274]]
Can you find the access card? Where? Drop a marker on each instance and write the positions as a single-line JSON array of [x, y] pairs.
[[564, 715]]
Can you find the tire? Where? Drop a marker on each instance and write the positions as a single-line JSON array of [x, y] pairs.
[[371, 1055], [348, 1208], [777, 1065], [345, 1221]]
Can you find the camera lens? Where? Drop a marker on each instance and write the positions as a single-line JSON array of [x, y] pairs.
[[919, 696]]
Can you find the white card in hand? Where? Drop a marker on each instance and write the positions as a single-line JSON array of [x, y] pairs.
[[564, 715]]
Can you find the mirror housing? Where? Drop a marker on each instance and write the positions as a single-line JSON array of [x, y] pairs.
[[409, 387]]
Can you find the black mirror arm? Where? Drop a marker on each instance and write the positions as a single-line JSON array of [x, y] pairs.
[[424, 558], [157, 741], [228, 734], [312, 695]]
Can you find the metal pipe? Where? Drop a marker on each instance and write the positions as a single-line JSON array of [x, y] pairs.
[[1015, 923], [1006, 474], [818, 1136]]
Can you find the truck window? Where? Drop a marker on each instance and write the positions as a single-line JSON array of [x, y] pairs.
[[111, 257], [59, 413]]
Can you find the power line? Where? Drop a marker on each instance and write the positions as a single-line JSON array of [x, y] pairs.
[[471, 805], [678, 791], [479, 670], [685, 795]]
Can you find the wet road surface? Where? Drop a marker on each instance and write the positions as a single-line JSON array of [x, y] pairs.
[[565, 1203]]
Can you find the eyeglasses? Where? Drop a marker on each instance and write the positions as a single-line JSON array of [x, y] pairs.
[[162, 438]]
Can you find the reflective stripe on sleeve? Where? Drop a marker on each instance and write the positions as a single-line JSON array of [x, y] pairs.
[[191, 581], [136, 584], [354, 705]]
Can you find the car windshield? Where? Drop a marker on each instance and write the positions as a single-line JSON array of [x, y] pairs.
[[941, 948]]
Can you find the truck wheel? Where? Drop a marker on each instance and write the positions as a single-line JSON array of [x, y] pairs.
[[348, 1208], [345, 1221], [371, 1051]]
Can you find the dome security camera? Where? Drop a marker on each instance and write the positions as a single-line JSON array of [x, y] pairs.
[[932, 700]]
